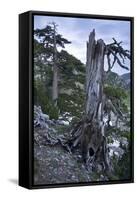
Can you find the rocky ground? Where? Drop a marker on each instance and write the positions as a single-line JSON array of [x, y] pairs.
[[53, 162]]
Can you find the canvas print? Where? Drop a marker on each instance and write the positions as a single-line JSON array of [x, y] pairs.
[[82, 100]]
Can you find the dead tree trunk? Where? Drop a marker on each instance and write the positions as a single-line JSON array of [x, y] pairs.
[[94, 78], [95, 101], [90, 131]]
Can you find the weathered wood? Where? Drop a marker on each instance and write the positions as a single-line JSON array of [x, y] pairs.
[[94, 77], [93, 134], [90, 132]]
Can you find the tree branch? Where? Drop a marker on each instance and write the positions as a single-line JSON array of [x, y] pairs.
[[116, 50], [118, 60]]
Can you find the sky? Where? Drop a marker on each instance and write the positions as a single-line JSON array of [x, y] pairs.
[[77, 31]]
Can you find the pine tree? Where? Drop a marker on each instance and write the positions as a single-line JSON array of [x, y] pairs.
[[51, 40]]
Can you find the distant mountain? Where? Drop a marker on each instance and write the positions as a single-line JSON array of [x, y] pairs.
[[126, 78], [114, 79]]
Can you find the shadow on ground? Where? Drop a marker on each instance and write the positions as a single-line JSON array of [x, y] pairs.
[[14, 181]]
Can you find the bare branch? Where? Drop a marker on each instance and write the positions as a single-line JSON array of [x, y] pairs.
[[109, 64], [119, 54], [118, 60], [114, 59], [115, 42]]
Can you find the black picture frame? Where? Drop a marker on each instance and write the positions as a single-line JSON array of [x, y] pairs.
[[26, 168]]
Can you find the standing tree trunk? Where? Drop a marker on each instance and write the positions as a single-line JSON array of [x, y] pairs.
[[55, 85], [90, 131], [55, 72]]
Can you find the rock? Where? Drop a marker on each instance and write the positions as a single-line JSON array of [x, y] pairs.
[[44, 116], [115, 149], [62, 122], [110, 123], [75, 72], [40, 119], [51, 122], [79, 85], [65, 118]]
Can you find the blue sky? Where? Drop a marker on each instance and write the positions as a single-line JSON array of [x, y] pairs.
[[77, 31]]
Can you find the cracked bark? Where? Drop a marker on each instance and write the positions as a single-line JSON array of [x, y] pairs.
[[89, 133]]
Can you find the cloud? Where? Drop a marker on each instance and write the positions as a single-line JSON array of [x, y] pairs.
[[77, 31]]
